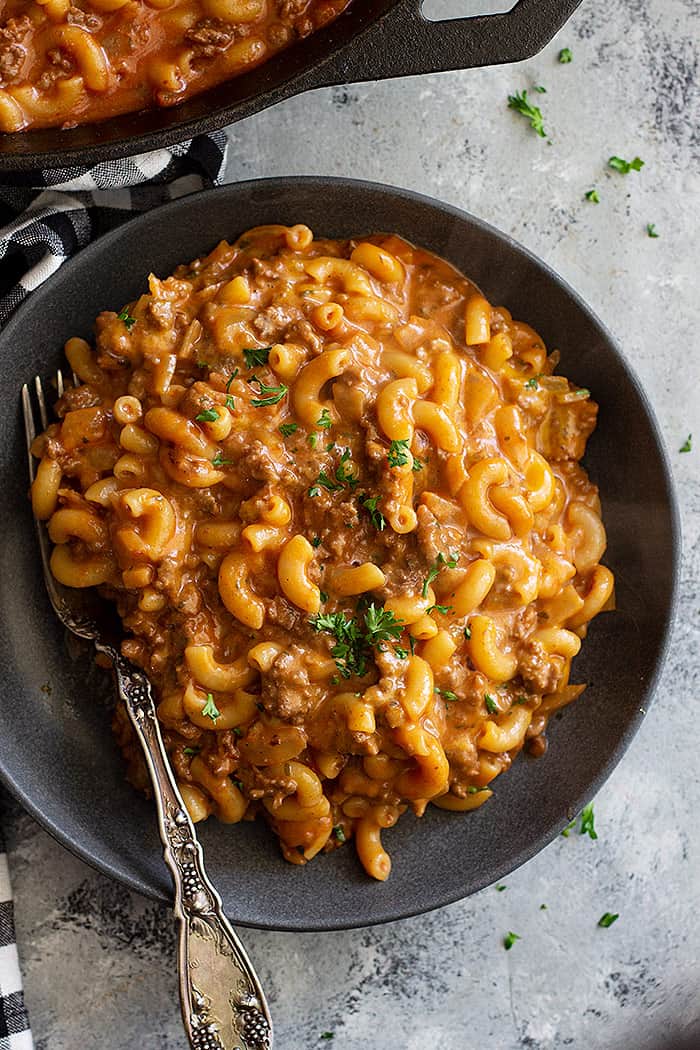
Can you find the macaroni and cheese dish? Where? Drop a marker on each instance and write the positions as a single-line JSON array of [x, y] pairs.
[[68, 62], [336, 497]]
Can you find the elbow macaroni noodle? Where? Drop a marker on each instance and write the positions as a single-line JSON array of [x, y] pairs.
[[355, 558]]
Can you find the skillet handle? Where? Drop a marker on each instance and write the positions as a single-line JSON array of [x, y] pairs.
[[404, 43]]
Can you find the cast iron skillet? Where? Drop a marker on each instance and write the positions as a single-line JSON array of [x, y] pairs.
[[372, 40], [58, 756]]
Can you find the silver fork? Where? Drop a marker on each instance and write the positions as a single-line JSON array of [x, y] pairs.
[[223, 1005]]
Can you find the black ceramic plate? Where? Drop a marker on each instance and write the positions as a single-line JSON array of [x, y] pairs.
[[58, 756]]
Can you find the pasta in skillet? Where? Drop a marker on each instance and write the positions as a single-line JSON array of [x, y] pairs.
[[336, 497]]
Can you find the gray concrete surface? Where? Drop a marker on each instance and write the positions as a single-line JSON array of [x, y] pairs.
[[98, 961]]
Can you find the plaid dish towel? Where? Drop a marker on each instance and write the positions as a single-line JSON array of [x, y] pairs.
[[45, 218], [14, 1023]]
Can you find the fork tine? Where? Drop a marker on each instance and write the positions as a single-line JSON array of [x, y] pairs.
[[59, 382], [29, 428], [42, 402]]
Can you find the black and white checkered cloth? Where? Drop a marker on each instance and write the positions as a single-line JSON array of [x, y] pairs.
[[45, 218], [15, 1033]]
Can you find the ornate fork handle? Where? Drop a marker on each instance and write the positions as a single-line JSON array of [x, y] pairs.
[[223, 1005]]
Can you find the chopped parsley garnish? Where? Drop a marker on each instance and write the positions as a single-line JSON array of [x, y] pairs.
[[651, 230], [543, 907], [231, 379], [338, 833], [608, 919], [229, 402], [568, 828], [273, 394], [566, 56], [316, 541], [593, 196], [625, 166], [500, 887], [209, 415], [451, 561], [256, 355], [237, 731], [588, 822], [532, 384], [219, 461], [444, 609], [401, 653], [343, 471], [398, 453], [687, 445], [467, 632], [474, 790], [210, 710], [324, 421], [519, 102], [446, 693], [288, 428], [312, 439], [355, 637], [323, 481], [381, 625], [370, 505], [417, 465], [128, 320], [191, 750], [323, 596], [491, 705], [522, 700], [510, 939]]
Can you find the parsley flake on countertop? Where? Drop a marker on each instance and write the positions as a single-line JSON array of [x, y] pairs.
[[500, 887], [519, 102], [687, 445], [651, 230], [588, 822], [566, 56], [608, 919], [510, 939], [593, 196], [625, 166]]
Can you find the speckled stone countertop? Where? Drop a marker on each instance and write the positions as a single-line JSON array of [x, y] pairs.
[[98, 961]]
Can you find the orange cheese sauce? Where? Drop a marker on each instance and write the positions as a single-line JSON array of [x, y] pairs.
[[68, 62]]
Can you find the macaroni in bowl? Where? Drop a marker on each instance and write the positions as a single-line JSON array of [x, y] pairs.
[[336, 497]]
